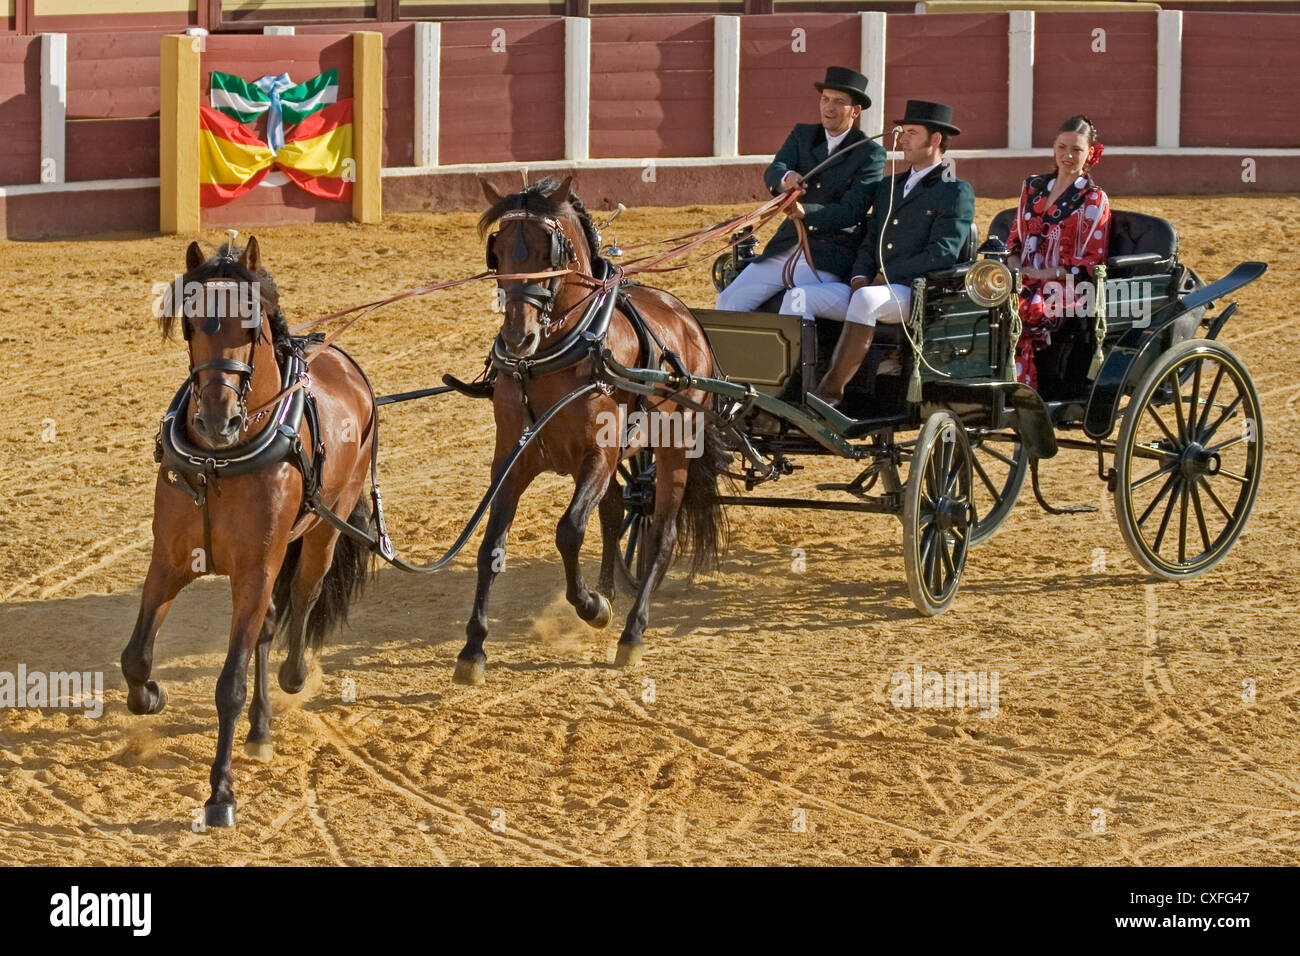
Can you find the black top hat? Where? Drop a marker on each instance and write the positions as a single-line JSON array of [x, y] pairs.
[[846, 81], [925, 113]]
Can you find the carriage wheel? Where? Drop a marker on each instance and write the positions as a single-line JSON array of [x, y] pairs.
[[638, 479], [1188, 460], [938, 513], [1000, 470]]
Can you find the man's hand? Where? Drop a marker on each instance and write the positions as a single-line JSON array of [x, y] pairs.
[[857, 283], [795, 211], [791, 180]]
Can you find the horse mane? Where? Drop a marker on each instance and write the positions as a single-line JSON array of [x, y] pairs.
[[533, 199], [225, 264]]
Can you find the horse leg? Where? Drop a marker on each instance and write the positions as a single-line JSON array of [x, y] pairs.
[[670, 488], [163, 582], [257, 744], [471, 662], [251, 589], [611, 522], [314, 561], [589, 490]]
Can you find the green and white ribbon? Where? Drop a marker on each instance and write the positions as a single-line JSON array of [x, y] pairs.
[[286, 103]]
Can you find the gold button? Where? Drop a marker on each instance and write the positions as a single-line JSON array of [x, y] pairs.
[[895, 222], [889, 245]]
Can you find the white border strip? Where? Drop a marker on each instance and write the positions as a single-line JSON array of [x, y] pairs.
[[577, 88], [1042, 154], [81, 186], [1169, 77], [428, 69], [1020, 80], [726, 86], [54, 106]]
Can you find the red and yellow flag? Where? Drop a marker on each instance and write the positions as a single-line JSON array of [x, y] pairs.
[[317, 155]]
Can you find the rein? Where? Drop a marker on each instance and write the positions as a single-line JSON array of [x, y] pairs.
[[755, 218]]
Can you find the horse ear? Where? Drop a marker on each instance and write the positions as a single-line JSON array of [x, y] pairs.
[[562, 192], [193, 256], [493, 197], [251, 259]]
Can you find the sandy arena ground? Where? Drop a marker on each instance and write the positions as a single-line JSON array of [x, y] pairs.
[[759, 728]]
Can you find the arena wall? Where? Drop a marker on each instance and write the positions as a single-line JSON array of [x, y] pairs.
[[1187, 102]]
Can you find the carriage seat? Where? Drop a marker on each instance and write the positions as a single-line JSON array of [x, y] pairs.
[[1138, 242]]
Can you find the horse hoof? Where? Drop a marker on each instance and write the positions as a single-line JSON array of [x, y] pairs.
[[629, 655], [155, 699], [260, 750], [471, 673], [219, 815], [604, 613], [291, 684]]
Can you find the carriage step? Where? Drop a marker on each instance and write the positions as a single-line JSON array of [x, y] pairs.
[[848, 427]]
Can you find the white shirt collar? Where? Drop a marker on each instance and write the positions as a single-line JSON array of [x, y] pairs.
[[834, 141], [919, 174]]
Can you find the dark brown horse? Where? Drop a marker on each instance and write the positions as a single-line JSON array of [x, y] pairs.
[[542, 228], [288, 569]]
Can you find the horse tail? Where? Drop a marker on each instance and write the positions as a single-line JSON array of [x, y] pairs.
[[701, 520], [343, 583]]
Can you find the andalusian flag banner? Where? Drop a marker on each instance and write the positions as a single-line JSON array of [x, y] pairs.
[[316, 155], [246, 101]]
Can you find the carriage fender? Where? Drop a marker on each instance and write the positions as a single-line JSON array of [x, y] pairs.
[[1030, 418], [1128, 359], [1032, 422]]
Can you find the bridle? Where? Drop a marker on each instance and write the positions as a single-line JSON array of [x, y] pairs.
[[562, 255], [211, 325]]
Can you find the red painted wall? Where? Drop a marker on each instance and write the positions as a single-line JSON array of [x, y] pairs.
[[20, 110], [651, 86], [112, 130], [501, 106], [776, 82], [1115, 89], [959, 59], [1240, 80], [399, 84]]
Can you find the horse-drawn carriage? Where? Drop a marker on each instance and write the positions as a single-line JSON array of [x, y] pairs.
[[1185, 466], [261, 493]]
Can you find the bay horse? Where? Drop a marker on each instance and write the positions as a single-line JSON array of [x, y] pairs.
[[289, 571], [546, 227]]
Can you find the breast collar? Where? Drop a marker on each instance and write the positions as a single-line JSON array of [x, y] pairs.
[[271, 445], [575, 345]]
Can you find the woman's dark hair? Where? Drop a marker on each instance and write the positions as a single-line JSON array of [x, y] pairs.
[[1080, 124]]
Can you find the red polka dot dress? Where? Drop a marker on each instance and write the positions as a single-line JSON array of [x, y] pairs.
[[1071, 234]]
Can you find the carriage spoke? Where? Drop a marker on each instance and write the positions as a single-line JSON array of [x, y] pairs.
[[632, 538], [1200, 517], [1192, 402], [1176, 385], [1164, 522], [1183, 496], [1163, 427], [1224, 444], [627, 523], [1156, 500], [1242, 479], [1209, 401], [1215, 498], [984, 477], [1227, 412], [1155, 474], [1007, 460], [927, 555], [947, 558]]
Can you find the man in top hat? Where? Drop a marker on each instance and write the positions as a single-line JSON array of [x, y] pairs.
[[835, 200], [920, 221]]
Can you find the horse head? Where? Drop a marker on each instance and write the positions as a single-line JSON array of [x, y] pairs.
[[224, 303], [540, 229]]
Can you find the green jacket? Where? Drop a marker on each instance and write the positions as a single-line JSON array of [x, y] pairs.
[[837, 199], [926, 231]]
